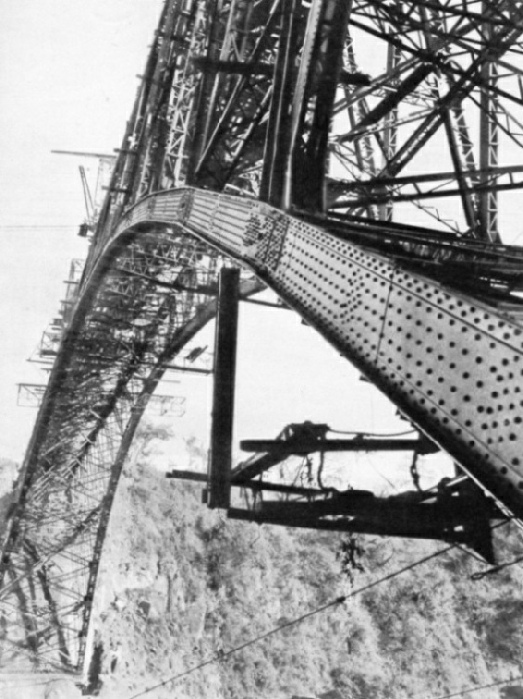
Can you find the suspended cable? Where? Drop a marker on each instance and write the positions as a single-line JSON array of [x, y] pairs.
[[26, 685], [379, 473], [35, 227], [496, 569], [223, 655], [476, 688]]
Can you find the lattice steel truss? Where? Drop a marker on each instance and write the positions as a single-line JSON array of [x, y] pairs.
[[335, 122], [454, 79], [153, 296]]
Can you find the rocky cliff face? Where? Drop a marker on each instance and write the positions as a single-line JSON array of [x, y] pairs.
[[181, 585]]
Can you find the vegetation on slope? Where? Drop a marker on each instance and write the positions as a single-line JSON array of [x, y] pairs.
[[181, 584]]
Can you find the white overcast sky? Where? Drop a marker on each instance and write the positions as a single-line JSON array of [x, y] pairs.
[[67, 81]]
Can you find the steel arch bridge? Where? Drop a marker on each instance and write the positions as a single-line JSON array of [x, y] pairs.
[[300, 142]]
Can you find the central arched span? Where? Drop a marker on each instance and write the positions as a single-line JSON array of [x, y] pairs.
[[149, 292]]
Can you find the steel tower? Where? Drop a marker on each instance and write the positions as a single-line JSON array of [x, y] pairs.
[[361, 159]]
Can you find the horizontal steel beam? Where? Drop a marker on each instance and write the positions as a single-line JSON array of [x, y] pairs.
[[476, 539], [267, 304], [251, 484], [255, 466], [415, 196], [208, 65], [421, 177], [303, 446]]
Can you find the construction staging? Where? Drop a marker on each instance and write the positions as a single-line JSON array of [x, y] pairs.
[[263, 152]]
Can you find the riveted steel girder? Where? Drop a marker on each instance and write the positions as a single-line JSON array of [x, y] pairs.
[[450, 361]]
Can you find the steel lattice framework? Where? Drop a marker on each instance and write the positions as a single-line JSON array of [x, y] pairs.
[[301, 141]]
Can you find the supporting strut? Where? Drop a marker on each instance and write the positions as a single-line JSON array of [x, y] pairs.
[[220, 454], [308, 446]]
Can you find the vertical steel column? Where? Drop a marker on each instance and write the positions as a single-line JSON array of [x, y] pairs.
[[390, 135], [487, 212], [278, 129], [220, 462], [313, 100], [357, 111]]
